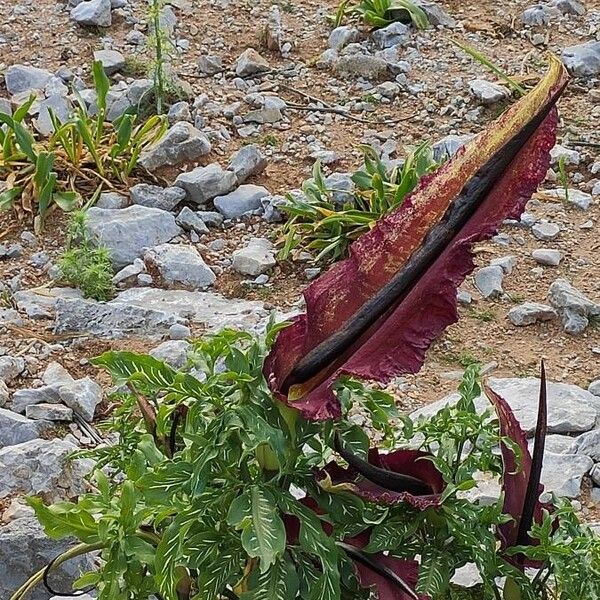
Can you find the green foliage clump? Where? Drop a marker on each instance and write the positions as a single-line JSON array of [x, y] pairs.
[[317, 223], [199, 498], [86, 266], [380, 13], [81, 156]]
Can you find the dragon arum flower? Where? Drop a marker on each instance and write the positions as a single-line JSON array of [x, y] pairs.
[[375, 314]]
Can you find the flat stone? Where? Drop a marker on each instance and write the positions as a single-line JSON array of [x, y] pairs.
[[95, 13], [506, 263], [173, 352], [547, 257], [112, 319], [25, 549], [205, 183], [112, 60], [8, 316], [545, 231], [211, 218], [49, 412], [179, 266], [190, 221], [256, 258], [210, 311], [247, 161], [530, 313], [242, 201], [361, 65], [210, 64], [582, 60], [21, 399], [20, 79], [56, 374], [594, 387], [571, 409], [130, 272], [250, 62], [182, 143], [488, 280], [154, 196], [16, 429], [487, 92], [569, 156], [42, 467], [127, 232], [575, 197]]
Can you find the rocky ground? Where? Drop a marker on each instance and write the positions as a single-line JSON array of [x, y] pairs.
[[270, 89]]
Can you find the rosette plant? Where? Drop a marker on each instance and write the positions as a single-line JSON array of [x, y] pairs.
[[248, 474]]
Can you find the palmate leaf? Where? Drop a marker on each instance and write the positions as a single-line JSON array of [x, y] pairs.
[[375, 314]]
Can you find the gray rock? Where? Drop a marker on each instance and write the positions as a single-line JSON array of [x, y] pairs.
[[530, 313], [256, 258], [271, 207], [250, 62], [112, 60], [595, 475], [506, 263], [448, 146], [179, 266], [342, 36], [392, 35], [128, 231], [16, 429], [242, 201], [23, 78], [205, 183], [436, 15], [341, 188], [361, 65], [539, 14], [571, 409], [569, 7], [210, 64], [547, 257], [582, 60], [49, 412], [4, 393], [129, 272], [56, 374], [264, 115], [562, 474], [83, 396], [154, 196], [182, 143], [594, 387], [21, 399], [556, 443], [190, 221], [545, 231], [111, 200], [11, 367], [488, 280], [180, 111], [179, 332], [211, 218], [574, 308], [95, 13], [42, 467], [8, 316], [464, 297], [578, 198], [211, 312], [60, 107], [25, 549], [247, 161], [173, 352], [588, 444], [112, 319], [487, 92], [569, 156]]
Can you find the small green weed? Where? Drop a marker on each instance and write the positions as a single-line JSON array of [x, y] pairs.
[[563, 176], [380, 13], [486, 315], [85, 266]]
